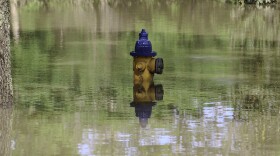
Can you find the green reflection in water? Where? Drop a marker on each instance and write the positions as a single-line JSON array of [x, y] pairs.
[[73, 78]]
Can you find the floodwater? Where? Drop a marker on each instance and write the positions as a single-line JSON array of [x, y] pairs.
[[73, 86]]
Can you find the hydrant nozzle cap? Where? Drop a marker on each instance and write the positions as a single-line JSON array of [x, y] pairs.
[[143, 47]]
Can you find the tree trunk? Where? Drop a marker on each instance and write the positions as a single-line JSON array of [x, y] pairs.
[[6, 89]]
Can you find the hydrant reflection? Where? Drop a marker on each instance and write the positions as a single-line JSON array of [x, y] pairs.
[[144, 98], [144, 63]]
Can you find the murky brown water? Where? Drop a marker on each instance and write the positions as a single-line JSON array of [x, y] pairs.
[[72, 76]]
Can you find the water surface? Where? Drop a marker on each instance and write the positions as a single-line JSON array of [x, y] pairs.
[[72, 76]]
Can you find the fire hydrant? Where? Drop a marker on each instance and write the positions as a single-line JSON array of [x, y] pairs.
[[144, 63]]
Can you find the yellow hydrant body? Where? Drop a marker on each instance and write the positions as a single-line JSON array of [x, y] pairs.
[[144, 68]]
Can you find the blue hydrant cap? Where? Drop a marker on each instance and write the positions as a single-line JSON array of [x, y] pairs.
[[143, 47]]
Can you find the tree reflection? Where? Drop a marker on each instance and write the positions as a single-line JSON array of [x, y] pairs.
[[6, 131]]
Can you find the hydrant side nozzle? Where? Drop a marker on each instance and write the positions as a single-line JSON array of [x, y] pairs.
[[159, 66]]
